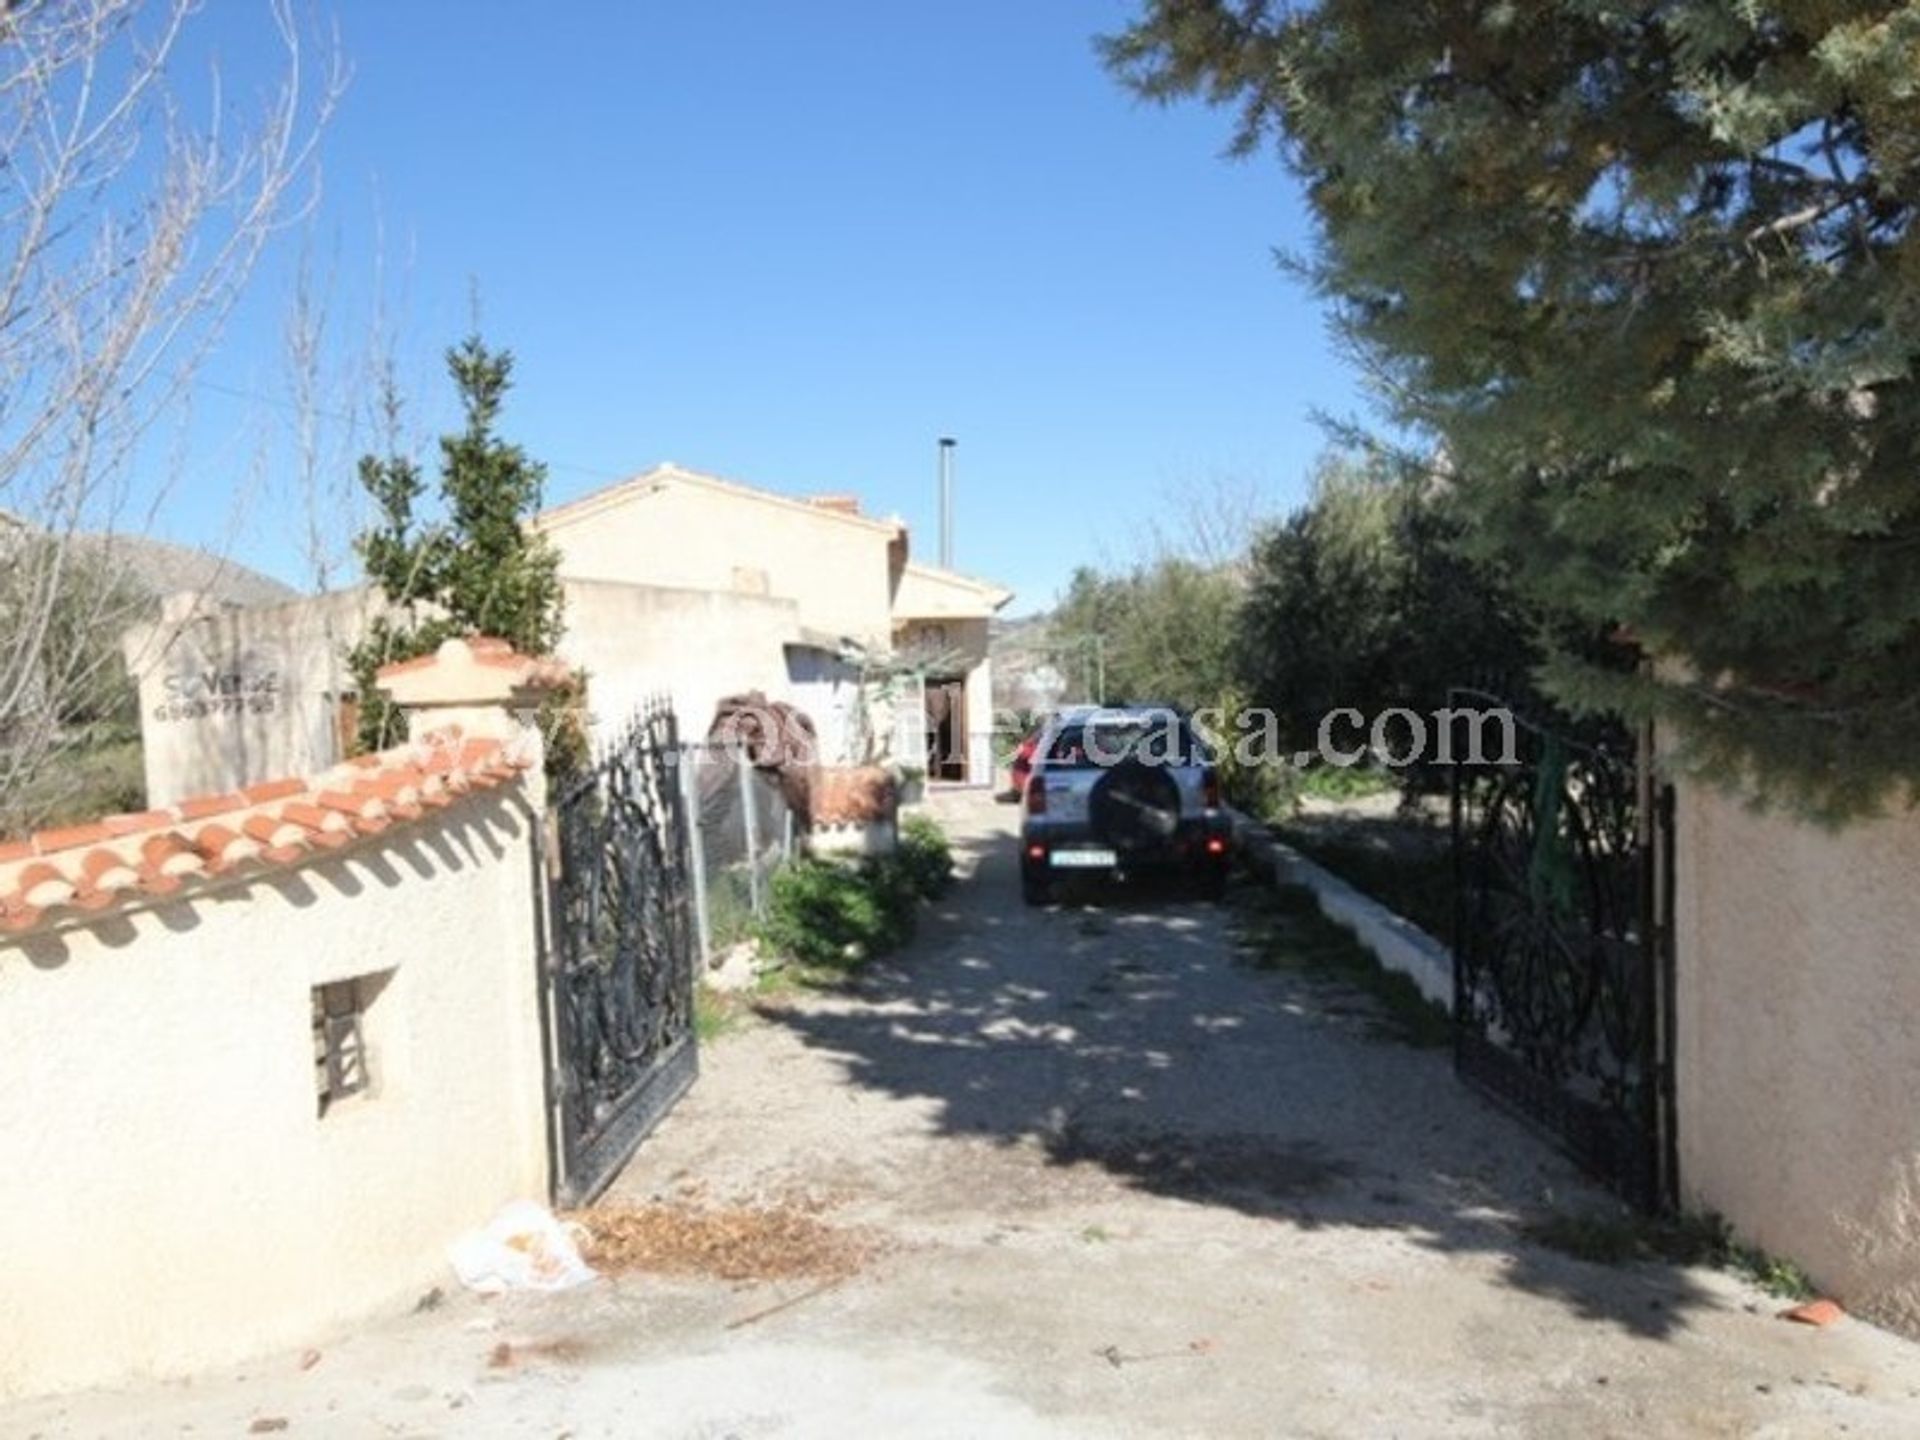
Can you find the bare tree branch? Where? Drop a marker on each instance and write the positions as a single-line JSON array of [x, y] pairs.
[[127, 231]]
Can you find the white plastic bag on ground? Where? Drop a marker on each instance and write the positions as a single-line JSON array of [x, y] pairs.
[[522, 1248]]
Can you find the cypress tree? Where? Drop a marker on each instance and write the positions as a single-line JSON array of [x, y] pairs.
[[479, 571]]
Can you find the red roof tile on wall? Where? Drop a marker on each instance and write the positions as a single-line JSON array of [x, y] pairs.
[[123, 858], [533, 671]]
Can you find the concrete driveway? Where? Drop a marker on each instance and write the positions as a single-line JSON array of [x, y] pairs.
[[1117, 1182]]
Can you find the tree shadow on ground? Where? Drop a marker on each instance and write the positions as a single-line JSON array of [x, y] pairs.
[[1128, 1034]]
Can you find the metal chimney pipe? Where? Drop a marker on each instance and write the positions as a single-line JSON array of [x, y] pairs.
[[947, 442]]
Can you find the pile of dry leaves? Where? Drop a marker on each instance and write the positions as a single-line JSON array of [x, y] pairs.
[[780, 1242]]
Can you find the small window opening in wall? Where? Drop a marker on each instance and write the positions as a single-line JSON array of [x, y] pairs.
[[342, 1065]]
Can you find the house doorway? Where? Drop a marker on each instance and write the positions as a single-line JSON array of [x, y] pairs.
[[947, 729]]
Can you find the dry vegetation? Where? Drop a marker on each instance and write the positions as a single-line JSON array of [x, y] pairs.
[[736, 1242]]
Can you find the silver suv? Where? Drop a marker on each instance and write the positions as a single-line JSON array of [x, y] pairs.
[[1121, 790]]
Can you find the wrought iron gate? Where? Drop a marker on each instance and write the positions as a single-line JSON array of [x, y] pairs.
[[1562, 954], [619, 963]]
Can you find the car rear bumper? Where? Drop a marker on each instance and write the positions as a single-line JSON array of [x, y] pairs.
[[1072, 849]]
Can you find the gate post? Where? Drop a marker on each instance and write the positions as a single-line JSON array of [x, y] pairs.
[[696, 849], [475, 689], [753, 836]]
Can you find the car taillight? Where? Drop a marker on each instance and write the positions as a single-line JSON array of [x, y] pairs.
[[1036, 796], [1210, 789]]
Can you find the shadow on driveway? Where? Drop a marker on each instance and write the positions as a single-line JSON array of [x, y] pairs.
[[1127, 1033]]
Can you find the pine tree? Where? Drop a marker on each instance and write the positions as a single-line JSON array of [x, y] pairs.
[[480, 571], [1650, 272]]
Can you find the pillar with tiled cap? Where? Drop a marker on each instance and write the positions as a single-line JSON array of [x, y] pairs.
[[474, 689]]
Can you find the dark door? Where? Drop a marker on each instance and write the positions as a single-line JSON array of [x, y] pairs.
[[947, 730]]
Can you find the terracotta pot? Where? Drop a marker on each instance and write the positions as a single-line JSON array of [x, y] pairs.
[[851, 795]]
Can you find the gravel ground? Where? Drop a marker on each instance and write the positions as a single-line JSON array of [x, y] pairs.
[[1107, 1179]]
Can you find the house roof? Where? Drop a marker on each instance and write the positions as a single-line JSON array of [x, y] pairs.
[[988, 588], [668, 473], [958, 595]]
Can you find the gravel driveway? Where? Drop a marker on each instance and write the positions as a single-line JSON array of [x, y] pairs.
[[1111, 1180]]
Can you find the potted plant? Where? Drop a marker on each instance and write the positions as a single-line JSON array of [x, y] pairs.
[[852, 809]]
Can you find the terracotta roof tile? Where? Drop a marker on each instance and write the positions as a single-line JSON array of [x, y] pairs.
[[277, 822], [16, 916], [70, 837], [403, 667], [39, 885], [139, 822], [170, 854], [273, 832], [325, 826], [165, 862], [274, 790], [91, 867], [350, 804], [224, 847], [107, 870], [104, 874]]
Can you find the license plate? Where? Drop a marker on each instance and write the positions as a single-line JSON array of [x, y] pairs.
[[1084, 859]]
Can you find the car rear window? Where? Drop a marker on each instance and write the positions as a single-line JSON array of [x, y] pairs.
[[1163, 740]]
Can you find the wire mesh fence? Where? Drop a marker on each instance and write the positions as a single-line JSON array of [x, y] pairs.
[[741, 829]]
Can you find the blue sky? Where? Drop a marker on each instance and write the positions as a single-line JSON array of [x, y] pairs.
[[793, 244]]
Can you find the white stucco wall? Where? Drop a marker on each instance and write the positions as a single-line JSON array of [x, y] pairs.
[[695, 646], [242, 696], [169, 1198], [1798, 1041], [698, 537], [828, 689]]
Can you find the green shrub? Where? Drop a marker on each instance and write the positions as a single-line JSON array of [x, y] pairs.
[[1345, 782], [834, 914], [101, 775], [926, 856]]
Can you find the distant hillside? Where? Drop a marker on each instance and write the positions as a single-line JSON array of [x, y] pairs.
[[160, 567]]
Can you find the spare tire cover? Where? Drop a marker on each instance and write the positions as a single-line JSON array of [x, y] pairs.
[[1134, 806]]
